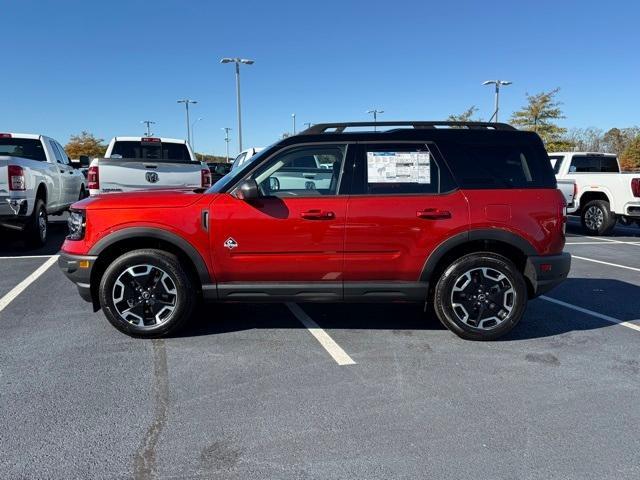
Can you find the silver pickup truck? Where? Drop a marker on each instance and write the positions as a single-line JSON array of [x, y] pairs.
[[144, 163], [36, 180]]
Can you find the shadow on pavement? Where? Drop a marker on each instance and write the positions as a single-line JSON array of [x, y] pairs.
[[574, 227], [12, 244], [543, 319]]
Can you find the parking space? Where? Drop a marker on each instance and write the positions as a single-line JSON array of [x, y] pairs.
[[324, 391]]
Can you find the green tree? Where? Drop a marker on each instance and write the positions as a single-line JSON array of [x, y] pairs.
[[85, 144], [630, 158], [616, 140], [466, 116], [539, 116]]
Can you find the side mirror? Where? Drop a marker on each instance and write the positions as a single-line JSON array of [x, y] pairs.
[[84, 161], [248, 190]]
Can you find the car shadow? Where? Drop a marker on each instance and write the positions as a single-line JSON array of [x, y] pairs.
[[574, 227], [543, 318], [13, 245]]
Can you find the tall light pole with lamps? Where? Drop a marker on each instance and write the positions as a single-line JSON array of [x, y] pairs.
[[193, 134], [226, 139], [186, 102], [148, 123], [238, 61], [375, 113], [498, 84], [293, 118]]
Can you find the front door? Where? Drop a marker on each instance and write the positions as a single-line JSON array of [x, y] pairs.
[[404, 203], [290, 241]]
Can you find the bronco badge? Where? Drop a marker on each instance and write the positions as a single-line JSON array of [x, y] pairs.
[[230, 243]]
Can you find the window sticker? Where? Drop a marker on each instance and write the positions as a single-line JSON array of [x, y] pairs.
[[399, 167]]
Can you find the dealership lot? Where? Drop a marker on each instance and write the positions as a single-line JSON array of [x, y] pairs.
[[323, 391]]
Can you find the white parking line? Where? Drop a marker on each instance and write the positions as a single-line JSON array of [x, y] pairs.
[[601, 316], [339, 355], [26, 256], [611, 240], [18, 289], [606, 263]]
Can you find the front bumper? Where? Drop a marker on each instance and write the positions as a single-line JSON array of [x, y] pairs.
[[546, 272], [77, 268]]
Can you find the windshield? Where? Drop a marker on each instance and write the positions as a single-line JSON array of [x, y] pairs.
[[30, 148], [228, 179], [174, 152]]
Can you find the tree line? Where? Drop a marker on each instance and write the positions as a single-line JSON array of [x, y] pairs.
[[541, 113]]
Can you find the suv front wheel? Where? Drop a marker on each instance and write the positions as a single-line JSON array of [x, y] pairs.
[[480, 296], [146, 293]]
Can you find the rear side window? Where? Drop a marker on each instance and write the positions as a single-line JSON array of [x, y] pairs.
[[388, 169], [556, 162], [174, 152], [593, 163], [500, 165], [30, 148]]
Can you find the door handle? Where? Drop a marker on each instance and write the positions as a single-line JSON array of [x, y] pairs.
[[318, 215], [433, 214]]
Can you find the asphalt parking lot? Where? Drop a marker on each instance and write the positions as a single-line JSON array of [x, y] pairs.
[[323, 391]]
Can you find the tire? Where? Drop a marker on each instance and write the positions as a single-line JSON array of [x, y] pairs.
[[597, 218], [36, 230], [166, 293], [501, 290]]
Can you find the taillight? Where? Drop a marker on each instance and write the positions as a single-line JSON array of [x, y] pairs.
[[205, 175], [16, 178], [93, 178], [635, 187]]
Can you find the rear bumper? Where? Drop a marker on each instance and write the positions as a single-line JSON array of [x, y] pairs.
[[546, 272], [77, 273], [632, 209], [13, 212]]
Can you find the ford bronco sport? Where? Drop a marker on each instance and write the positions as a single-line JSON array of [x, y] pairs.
[[463, 218]]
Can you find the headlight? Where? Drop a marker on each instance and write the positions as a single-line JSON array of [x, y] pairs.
[[76, 224]]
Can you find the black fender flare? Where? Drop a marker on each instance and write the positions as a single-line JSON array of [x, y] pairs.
[[158, 234], [469, 236]]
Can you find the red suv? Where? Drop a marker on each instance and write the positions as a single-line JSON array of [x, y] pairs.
[[461, 217]]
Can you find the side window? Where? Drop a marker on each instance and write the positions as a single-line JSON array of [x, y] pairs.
[[499, 165], [556, 162], [63, 154], [56, 151], [400, 169], [302, 172]]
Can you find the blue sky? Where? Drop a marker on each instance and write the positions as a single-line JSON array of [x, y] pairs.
[[105, 66]]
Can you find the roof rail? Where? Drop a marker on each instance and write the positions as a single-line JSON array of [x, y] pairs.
[[340, 127]]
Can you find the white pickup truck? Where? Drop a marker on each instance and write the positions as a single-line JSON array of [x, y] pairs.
[[143, 163], [36, 179], [604, 195]]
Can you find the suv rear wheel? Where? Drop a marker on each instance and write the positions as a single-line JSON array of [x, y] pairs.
[[146, 293], [480, 296]]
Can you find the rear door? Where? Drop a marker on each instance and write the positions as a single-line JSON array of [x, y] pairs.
[[404, 203], [57, 197], [291, 240]]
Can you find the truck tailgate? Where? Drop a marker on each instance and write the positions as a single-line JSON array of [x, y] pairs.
[[122, 175]]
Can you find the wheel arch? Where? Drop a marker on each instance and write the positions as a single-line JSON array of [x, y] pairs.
[[127, 239], [502, 242], [590, 195]]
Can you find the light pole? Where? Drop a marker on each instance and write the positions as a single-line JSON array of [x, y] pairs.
[[238, 61], [375, 113], [293, 118], [193, 133], [308, 124], [498, 84], [186, 102], [148, 123], [226, 139]]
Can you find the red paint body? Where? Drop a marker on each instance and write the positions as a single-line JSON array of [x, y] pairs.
[[331, 238]]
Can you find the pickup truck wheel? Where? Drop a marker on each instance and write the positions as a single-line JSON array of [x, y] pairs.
[[146, 293], [36, 229], [597, 218], [480, 296]]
